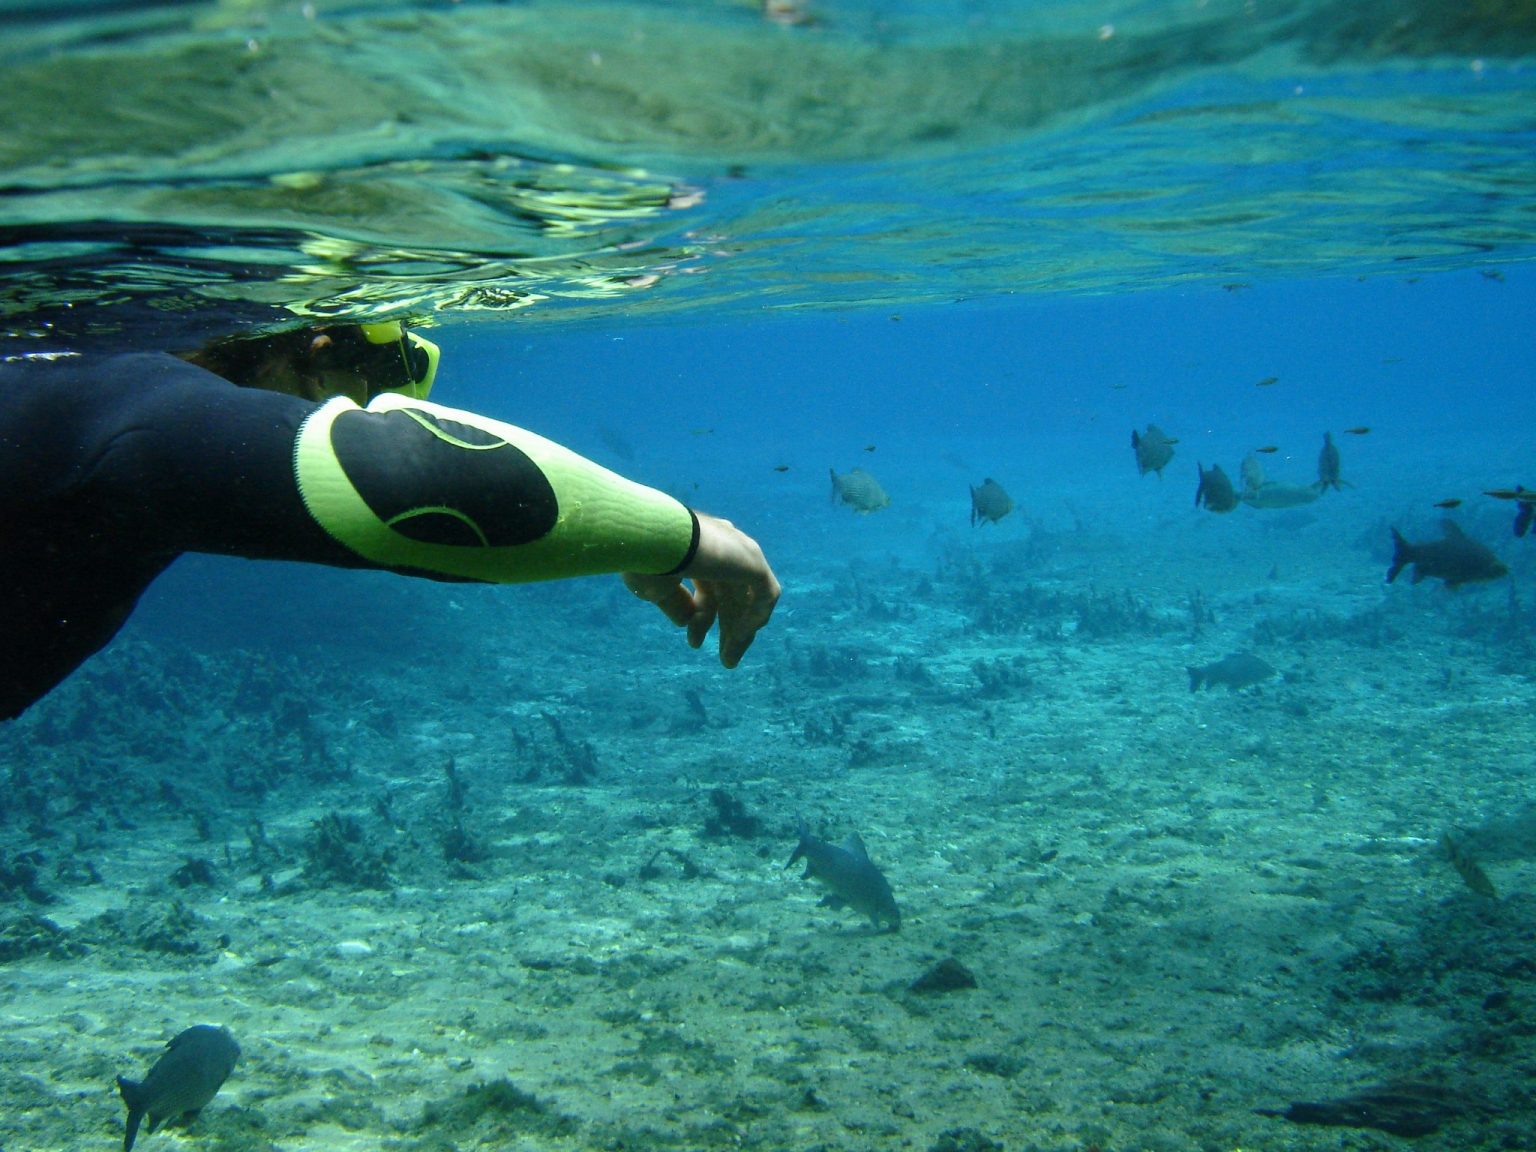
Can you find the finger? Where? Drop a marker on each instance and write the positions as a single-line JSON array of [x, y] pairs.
[[704, 611], [679, 607], [671, 596], [742, 613]]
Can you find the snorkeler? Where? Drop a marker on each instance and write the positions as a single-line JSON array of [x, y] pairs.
[[330, 453]]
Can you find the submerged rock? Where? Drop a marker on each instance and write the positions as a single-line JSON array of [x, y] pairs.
[[948, 975]]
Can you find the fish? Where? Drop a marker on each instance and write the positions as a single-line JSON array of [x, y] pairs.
[[187, 1076], [1277, 495], [1362, 430], [1268, 448], [1403, 1109], [1452, 502], [1455, 558], [1329, 465], [1153, 450], [1215, 491], [1470, 871], [1268, 380], [1252, 473], [989, 503], [1527, 510], [1518, 492], [781, 467], [851, 879], [1234, 673], [859, 490]]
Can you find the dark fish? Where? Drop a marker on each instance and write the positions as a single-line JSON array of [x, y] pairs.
[[781, 467], [1527, 510], [1404, 1109], [187, 1076], [1215, 491], [1235, 672], [1329, 465], [1268, 448], [1153, 450], [1455, 558], [1277, 495], [1268, 380], [869, 447], [859, 490], [1453, 502], [1362, 430], [850, 878], [989, 503], [1470, 871]]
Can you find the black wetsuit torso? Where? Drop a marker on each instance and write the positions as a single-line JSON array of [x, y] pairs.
[[111, 467]]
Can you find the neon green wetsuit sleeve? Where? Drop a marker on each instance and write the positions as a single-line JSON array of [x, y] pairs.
[[408, 484]]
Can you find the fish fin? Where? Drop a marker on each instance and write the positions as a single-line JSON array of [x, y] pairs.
[[854, 846], [1195, 677], [832, 901], [132, 1092], [799, 850], [1452, 530], [1402, 556], [835, 493]]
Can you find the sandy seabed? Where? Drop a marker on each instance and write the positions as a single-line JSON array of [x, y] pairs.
[[527, 892]]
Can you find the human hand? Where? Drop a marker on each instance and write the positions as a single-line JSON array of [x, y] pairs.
[[731, 582]]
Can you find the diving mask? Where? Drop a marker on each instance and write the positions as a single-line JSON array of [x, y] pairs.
[[394, 360]]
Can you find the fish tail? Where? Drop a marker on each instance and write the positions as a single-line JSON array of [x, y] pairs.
[[1200, 488], [1523, 519], [805, 834], [1196, 675], [1402, 555], [132, 1092], [833, 473]]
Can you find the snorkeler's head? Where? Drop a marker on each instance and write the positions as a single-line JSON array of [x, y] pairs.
[[354, 360]]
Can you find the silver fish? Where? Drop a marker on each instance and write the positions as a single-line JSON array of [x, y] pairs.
[[1277, 495], [849, 876], [859, 490]]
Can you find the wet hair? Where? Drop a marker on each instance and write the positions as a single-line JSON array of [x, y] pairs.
[[315, 362]]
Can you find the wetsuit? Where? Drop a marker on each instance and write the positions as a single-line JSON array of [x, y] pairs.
[[111, 467]]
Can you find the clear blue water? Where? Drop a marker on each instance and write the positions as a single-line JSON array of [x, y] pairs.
[[1039, 393]]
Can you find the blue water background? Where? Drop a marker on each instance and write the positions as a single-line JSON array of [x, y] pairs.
[[1040, 393]]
